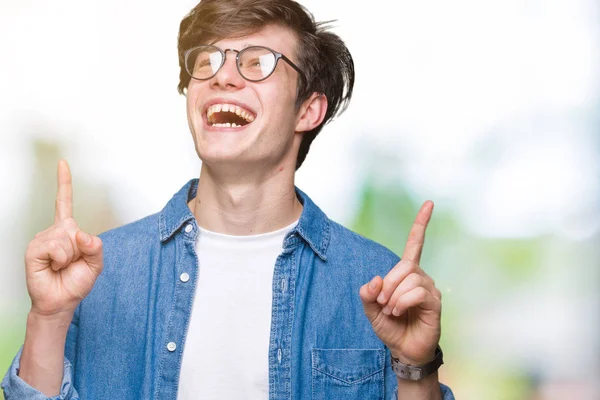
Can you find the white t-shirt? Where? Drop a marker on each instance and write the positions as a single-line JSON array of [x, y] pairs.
[[226, 350]]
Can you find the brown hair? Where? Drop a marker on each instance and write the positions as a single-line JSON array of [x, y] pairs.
[[320, 54]]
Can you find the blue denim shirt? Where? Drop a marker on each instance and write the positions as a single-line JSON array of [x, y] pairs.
[[128, 336]]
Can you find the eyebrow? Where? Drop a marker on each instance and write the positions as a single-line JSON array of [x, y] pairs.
[[214, 43]]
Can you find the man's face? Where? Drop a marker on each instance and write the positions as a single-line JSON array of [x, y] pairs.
[[266, 110]]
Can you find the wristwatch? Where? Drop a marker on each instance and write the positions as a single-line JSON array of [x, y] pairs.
[[418, 372]]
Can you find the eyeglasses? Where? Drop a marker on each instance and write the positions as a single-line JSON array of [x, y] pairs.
[[254, 63]]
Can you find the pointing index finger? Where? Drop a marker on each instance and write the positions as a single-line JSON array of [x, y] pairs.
[[416, 237], [64, 195]]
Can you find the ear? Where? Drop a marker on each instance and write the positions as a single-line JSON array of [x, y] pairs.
[[311, 112]]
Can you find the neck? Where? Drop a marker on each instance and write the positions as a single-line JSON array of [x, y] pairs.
[[246, 206]]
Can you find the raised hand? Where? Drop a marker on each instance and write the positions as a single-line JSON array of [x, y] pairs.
[[405, 307], [62, 262]]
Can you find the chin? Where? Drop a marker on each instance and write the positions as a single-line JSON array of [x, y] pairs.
[[222, 157]]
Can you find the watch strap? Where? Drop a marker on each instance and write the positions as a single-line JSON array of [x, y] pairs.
[[418, 372]]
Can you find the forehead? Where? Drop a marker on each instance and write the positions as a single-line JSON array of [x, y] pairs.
[[273, 36]]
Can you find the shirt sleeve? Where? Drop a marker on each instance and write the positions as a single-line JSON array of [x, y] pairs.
[[446, 392], [16, 388]]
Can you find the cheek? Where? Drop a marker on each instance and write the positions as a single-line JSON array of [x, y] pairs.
[[284, 102], [191, 101], [192, 96], [280, 89]]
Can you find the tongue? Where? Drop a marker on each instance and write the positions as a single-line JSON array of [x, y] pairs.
[[227, 117]]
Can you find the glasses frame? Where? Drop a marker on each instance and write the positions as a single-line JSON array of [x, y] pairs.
[[276, 54]]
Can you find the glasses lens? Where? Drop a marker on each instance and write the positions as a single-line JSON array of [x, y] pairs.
[[203, 62], [256, 63]]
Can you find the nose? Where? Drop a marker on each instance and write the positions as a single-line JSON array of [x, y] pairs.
[[228, 77]]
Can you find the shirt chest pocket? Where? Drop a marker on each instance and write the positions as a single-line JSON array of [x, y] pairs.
[[348, 374]]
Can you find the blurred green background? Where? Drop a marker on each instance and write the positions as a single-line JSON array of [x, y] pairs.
[[491, 109]]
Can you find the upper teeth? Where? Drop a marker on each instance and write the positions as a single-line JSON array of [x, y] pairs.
[[247, 115]]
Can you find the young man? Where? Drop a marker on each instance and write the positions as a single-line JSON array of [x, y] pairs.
[[240, 287]]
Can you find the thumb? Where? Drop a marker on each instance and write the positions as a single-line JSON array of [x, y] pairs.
[[91, 250], [368, 295]]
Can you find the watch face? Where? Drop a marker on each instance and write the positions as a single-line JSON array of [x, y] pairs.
[[416, 373], [407, 372]]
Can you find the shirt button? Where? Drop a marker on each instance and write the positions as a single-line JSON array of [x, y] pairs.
[[171, 346], [184, 277], [188, 228], [279, 355], [283, 285]]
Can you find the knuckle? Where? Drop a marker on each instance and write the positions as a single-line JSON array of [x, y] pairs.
[[61, 257], [413, 267], [415, 279], [54, 248], [428, 282], [31, 246], [58, 233], [30, 251]]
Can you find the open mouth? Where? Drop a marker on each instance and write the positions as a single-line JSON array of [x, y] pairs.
[[228, 116]]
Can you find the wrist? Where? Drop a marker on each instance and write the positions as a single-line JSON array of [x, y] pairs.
[[36, 315], [418, 372], [51, 311], [41, 364], [426, 358], [427, 388], [53, 325]]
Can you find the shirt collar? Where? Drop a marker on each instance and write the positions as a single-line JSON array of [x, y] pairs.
[[313, 225], [176, 212]]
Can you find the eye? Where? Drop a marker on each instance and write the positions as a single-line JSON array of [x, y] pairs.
[[253, 62]]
